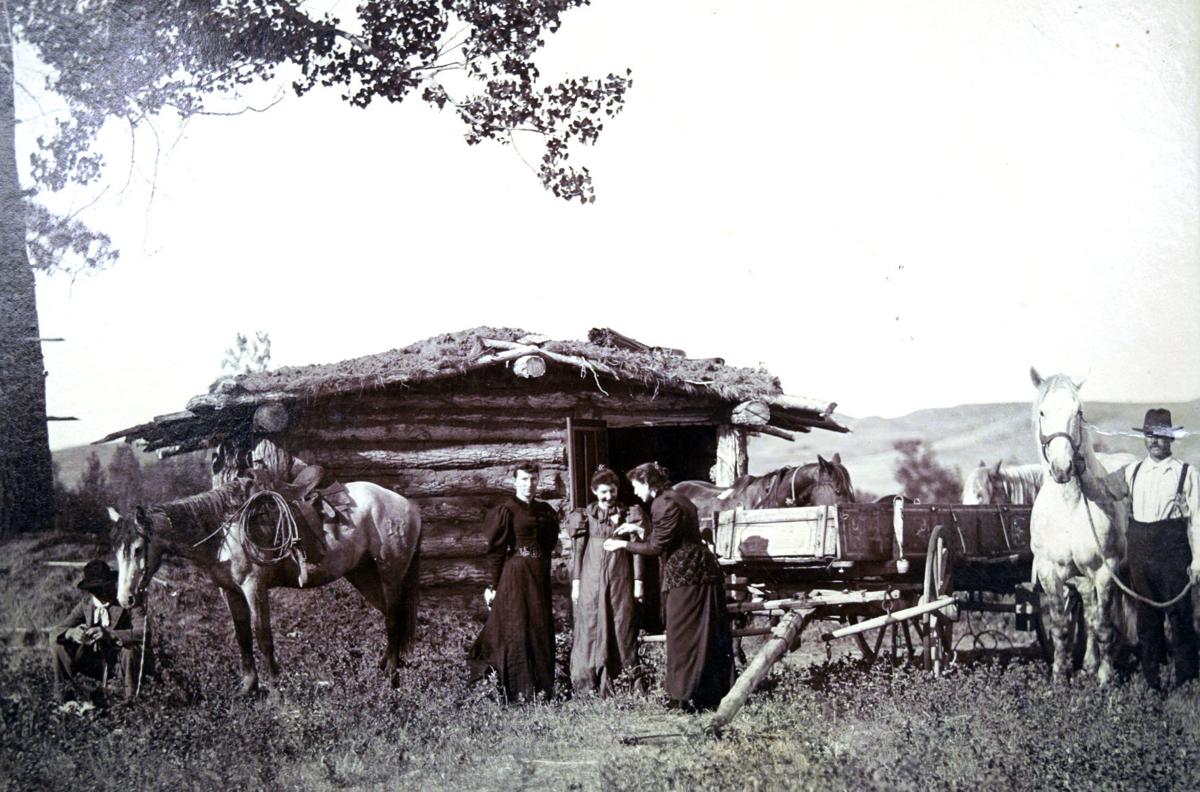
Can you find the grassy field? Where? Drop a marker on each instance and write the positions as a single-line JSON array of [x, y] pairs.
[[336, 726]]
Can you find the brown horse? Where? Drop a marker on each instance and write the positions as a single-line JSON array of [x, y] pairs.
[[377, 553], [793, 485]]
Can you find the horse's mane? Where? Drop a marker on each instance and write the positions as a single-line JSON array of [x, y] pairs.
[[206, 508], [1021, 482], [783, 478]]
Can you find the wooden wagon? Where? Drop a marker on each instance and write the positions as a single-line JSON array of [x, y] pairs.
[[898, 568]]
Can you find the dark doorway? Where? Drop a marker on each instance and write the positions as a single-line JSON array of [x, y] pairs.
[[688, 452]]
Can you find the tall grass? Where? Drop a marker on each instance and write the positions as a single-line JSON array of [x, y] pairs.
[[336, 725]]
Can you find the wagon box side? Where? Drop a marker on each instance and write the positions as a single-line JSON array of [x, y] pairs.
[[803, 533]]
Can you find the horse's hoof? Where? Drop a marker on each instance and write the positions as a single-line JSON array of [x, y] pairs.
[[248, 687]]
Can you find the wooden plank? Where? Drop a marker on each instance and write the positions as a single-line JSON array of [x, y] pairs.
[[764, 534]]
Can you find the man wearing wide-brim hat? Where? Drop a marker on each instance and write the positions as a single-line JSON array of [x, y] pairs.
[[1163, 547], [99, 639]]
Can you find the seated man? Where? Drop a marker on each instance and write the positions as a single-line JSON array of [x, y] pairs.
[[99, 639]]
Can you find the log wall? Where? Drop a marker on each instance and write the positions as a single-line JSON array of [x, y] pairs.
[[451, 449]]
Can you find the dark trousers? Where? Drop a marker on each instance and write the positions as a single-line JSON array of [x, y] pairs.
[[70, 659], [1158, 569]]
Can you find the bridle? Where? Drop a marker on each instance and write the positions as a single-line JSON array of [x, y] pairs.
[[1076, 445], [147, 536]]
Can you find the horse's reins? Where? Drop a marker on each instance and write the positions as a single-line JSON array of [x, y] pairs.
[[1116, 579], [1078, 461]]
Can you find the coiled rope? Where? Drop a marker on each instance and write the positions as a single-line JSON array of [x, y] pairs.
[[286, 539]]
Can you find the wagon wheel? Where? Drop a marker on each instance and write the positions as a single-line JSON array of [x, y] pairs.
[[1076, 631], [938, 630]]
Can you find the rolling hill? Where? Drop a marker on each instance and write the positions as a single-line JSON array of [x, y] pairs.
[[960, 436]]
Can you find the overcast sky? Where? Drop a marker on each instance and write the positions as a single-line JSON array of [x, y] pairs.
[[891, 205]]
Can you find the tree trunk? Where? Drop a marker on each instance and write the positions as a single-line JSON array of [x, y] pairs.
[[26, 483]]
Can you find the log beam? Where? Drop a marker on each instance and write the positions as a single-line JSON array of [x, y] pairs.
[[786, 634], [732, 457], [482, 481], [751, 413], [445, 458], [398, 435]]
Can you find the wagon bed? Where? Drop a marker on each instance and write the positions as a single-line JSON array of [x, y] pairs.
[[988, 545]]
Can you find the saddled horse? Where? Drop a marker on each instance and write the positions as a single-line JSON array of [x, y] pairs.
[[1071, 534], [1019, 484], [794, 485], [377, 553]]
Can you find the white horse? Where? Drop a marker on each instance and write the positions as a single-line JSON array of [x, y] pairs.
[[1072, 535], [1019, 484]]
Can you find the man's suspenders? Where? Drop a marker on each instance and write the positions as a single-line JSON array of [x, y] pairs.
[[1175, 503]]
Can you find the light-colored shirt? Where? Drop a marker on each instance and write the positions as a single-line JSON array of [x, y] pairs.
[[1153, 492]]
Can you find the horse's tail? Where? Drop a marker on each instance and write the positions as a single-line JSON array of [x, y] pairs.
[[409, 590], [1124, 618]]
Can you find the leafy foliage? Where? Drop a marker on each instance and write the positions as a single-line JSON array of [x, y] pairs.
[[247, 355], [92, 482], [130, 60], [921, 476], [125, 479]]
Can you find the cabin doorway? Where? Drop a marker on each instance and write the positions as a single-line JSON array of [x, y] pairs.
[[688, 452]]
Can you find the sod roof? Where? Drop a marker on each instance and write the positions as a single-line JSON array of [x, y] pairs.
[[454, 354]]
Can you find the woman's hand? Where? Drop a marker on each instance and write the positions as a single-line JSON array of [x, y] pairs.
[[489, 594], [575, 592], [611, 545], [630, 529]]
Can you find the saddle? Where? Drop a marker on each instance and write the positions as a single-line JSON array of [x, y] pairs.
[[315, 505]]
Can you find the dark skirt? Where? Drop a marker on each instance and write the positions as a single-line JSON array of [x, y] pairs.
[[518, 639], [699, 645]]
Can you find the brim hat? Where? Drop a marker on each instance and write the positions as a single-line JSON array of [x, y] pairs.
[[1158, 424], [96, 576]]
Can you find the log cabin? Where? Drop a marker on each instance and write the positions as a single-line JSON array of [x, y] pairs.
[[443, 421]]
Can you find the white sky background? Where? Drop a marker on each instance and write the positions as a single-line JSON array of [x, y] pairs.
[[893, 205]]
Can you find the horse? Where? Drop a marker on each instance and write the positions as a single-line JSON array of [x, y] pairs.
[[1071, 534], [1019, 484], [377, 553], [788, 486]]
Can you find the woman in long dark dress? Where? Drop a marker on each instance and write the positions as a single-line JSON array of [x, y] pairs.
[[518, 639], [699, 645], [604, 587]]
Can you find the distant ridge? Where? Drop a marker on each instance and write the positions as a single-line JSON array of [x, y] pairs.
[[960, 436]]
